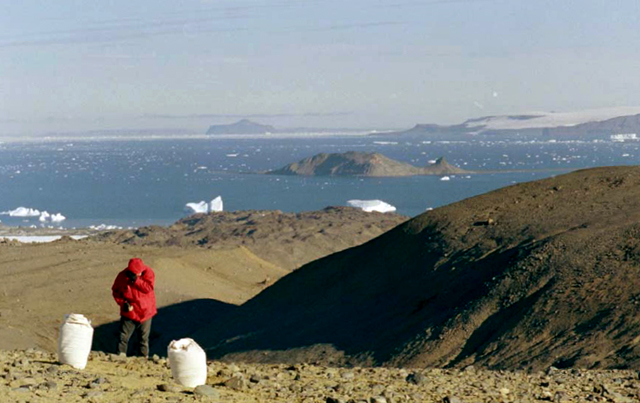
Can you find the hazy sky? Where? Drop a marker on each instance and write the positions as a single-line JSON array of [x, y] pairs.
[[92, 65]]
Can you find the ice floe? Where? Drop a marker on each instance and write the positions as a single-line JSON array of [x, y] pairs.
[[44, 216], [216, 205], [445, 178], [197, 207], [57, 217], [22, 212], [372, 205], [104, 227]]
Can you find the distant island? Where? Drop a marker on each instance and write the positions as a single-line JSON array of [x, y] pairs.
[[249, 127], [354, 163], [616, 124], [244, 126]]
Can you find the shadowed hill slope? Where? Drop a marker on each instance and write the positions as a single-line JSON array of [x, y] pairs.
[[527, 276]]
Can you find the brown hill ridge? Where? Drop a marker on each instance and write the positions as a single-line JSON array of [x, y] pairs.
[[354, 163], [287, 240], [532, 275]]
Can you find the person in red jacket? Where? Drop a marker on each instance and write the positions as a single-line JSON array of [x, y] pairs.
[[133, 291]]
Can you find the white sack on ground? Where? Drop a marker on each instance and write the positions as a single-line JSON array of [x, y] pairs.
[[74, 342], [188, 362]]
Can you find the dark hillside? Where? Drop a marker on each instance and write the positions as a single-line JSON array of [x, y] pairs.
[[536, 274]]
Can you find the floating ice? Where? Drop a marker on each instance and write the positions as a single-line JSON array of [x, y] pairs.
[[386, 143], [104, 227], [200, 207], [22, 212], [372, 205], [204, 207], [57, 217], [44, 216], [445, 178], [215, 205], [622, 137]]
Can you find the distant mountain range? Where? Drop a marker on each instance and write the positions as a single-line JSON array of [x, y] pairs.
[[354, 163], [588, 124]]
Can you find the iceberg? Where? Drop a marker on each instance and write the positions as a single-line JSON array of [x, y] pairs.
[[445, 178], [57, 217], [372, 205], [104, 227], [200, 207], [44, 216], [216, 205], [204, 207], [22, 212]]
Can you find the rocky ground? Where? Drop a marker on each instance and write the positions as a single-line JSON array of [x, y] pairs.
[[35, 376]]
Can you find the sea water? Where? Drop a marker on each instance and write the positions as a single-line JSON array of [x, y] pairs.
[[135, 182]]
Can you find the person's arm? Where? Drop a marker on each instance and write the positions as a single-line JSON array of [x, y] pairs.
[[117, 293], [145, 282]]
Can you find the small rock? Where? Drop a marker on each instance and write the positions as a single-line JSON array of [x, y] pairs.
[[237, 383], [92, 394], [255, 378], [22, 389], [616, 397], [165, 387], [560, 397], [378, 399], [206, 390], [551, 370], [451, 399], [600, 389], [51, 385], [118, 357], [416, 378], [347, 375], [53, 369]]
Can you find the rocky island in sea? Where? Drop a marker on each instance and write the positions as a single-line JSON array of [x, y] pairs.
[[353, 163]]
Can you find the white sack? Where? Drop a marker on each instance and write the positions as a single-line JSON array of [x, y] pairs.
[[74, 342], [188, 363]]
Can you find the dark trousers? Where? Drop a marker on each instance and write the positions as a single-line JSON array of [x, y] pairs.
[[127, 328]]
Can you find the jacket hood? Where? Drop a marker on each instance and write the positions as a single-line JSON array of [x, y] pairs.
[[136, 266]]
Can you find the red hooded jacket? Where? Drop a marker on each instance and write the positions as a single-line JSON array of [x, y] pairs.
[[138, 293]]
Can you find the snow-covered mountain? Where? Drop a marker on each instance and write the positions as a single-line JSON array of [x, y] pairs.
[[592, 123]]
